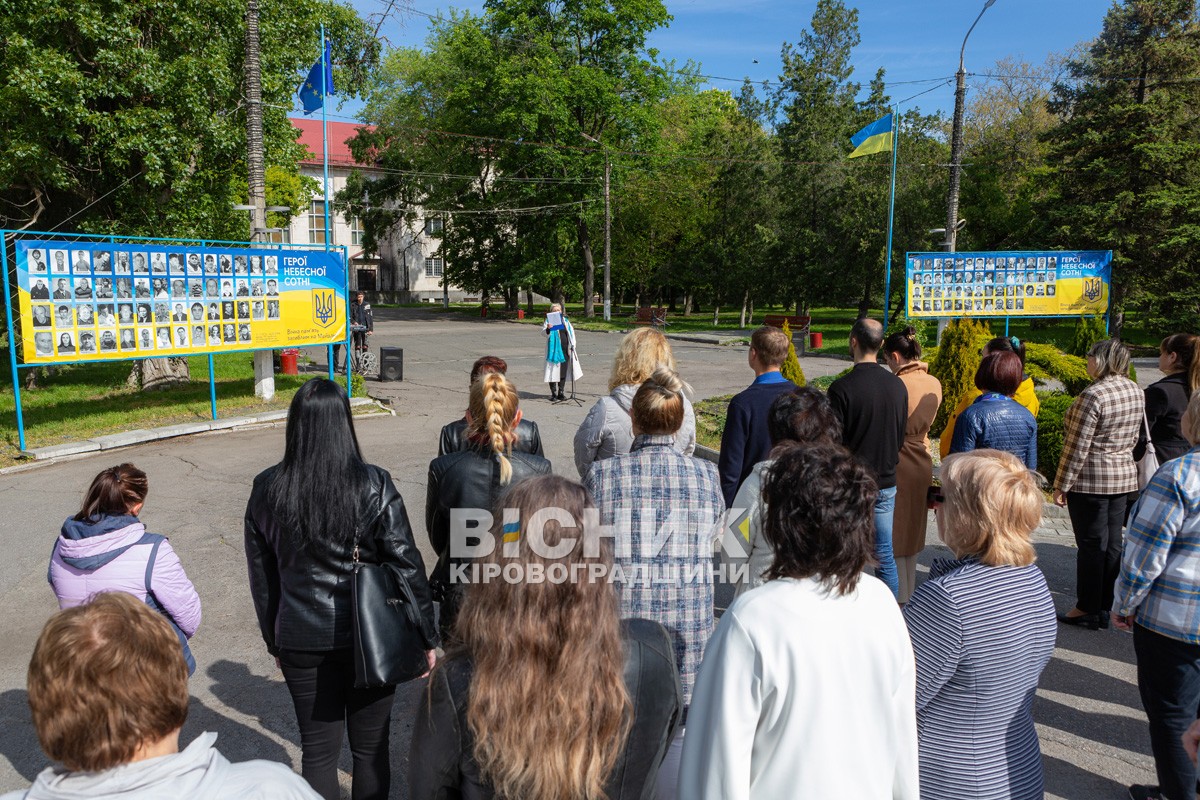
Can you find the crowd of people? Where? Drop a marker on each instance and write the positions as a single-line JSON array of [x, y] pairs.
[[617, 681]]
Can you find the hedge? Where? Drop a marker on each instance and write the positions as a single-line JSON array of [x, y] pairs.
[[1050, 431], [1045, 361]]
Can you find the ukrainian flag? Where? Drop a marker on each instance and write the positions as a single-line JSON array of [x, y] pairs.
[[875, 138]]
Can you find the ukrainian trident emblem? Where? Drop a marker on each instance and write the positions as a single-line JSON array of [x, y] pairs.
[[324, 307], [1093, 289]]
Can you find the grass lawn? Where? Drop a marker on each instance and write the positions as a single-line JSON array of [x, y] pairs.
[[81, 401]]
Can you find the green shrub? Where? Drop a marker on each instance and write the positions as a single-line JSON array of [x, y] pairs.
[[791, 365], [823, 382], [1050, 431], [1088, 331], [955, 365], [1045, 361]]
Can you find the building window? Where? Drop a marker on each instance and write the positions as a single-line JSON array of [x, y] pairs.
[[356, 231], [433, 267], [316, 222], [433, 226], [281, 236]]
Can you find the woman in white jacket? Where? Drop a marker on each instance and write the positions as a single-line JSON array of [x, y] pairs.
[[607, 430], [807, 687]]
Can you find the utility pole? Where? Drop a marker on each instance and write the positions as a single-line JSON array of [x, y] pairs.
[[264, 367], [956, 140], [607, 239]]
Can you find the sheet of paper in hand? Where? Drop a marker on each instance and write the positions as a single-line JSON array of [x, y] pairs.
[[554, 319]]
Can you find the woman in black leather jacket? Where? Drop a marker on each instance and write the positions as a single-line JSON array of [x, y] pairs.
[[302, 521], [473, 478], [545, 693]]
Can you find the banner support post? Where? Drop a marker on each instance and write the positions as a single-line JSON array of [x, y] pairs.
[[12, 344], [212, 386], [887, 278]]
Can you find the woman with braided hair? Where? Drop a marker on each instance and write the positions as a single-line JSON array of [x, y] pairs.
[[473, 478]]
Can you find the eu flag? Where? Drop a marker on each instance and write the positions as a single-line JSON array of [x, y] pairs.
[[311, 95], [875, 138]]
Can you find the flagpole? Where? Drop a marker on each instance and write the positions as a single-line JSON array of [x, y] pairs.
[[887, 281], [325, 128]]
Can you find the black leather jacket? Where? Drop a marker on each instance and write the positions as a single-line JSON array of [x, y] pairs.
[[470, 479], [441, 759], [454, 438], [302, 597]]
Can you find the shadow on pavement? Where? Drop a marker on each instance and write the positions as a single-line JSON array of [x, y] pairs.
[[1067, 780], [18, 741]]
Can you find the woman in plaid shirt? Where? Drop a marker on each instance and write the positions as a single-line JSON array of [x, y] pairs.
[[1158, 595], [1095, 473]]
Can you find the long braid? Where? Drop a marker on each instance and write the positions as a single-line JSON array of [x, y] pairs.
[[493, 409]]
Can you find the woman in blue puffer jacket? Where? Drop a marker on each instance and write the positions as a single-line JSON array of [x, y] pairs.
[[995, 421], [105, 548]]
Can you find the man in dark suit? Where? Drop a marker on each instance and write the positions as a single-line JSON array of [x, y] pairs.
[[745, 440], [61, 290]]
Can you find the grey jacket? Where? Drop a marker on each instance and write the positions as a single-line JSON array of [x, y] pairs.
[[607, 430], [198, 772]]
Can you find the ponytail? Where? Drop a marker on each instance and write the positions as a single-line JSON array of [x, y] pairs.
[[1186, 348], [113, 492], [493, 409]]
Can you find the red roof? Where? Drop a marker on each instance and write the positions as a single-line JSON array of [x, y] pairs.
[[339, 134]]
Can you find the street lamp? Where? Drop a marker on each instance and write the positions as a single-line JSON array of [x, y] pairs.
[[956, 144]]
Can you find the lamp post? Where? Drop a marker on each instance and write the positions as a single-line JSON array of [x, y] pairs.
[[956, 143]]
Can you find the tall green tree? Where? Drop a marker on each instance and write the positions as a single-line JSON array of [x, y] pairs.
[[1126, 157], [506, 117], [130, 118]]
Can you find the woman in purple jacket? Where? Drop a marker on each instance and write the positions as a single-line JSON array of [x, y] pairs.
[[105, 548]]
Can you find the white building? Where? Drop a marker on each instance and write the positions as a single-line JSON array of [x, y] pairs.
[[408, 268]]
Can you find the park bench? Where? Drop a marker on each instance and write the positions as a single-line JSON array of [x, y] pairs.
[[651, 315], [798, 324]]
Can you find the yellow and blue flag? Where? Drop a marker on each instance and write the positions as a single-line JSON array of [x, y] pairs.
[[312, 93], [875, 138]]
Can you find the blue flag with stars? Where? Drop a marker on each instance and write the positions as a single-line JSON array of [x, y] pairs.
[[312, 96]]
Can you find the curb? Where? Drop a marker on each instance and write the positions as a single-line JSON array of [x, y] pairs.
[[114, 441]]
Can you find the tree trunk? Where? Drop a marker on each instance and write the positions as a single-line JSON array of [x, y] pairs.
[[589, 268], [151, 374], [529, 300], [751, 318], [745, 302], [716, 313], [512, 298], [687, 303]]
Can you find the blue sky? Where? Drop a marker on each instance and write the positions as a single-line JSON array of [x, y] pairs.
[[913, 40]]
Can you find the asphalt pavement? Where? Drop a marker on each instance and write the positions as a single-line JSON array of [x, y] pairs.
[[1092, 727]]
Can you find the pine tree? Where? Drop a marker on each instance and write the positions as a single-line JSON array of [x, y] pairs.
[[1127, 159], [791, 365], [955, 365]]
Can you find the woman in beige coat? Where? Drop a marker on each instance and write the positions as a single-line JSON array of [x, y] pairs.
[[914, 473]]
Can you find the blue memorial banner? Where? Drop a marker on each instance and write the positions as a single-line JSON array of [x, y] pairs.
[[82, 300], [1040, 283]]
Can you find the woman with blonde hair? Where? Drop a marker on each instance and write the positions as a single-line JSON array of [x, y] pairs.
[[472, 478], [546, 694], [1096, 474], [607, 430], [982, 630]]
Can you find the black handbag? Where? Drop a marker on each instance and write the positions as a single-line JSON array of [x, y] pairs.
[[389, 643]]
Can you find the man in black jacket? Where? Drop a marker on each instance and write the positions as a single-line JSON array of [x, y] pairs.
[[360, 316], [454, 434], [872, 404]]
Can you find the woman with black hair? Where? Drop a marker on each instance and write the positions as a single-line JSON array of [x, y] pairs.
[[1024, 394], [308, 517], [807, 688]]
